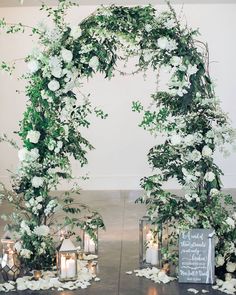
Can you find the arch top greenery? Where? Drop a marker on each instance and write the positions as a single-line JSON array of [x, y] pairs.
[[187, 114]]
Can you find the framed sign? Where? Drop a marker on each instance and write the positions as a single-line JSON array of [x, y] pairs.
[[197, 256]]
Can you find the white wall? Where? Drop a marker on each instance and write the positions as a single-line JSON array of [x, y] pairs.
[[119, 160]]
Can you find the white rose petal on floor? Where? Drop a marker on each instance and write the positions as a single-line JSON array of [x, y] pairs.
[[154, 274], [50, 280]]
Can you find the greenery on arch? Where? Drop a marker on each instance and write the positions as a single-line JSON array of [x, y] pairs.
[[187, 115]]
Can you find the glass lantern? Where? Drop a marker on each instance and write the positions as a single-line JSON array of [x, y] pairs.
[[10, 264], [67, 261], [150, 237], [90, 244]]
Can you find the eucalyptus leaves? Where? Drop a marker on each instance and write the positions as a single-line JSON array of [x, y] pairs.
[[187, 115]]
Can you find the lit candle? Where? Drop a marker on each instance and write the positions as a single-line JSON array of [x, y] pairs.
[[154, 254], [148, 255], [63, 267], [70, 267], [89, 244]]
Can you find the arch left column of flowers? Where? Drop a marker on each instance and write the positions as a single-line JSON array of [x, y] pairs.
[[55, 114]]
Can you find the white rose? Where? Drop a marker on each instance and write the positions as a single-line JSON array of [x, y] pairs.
[[57, 72], [220, 260], [34, 154], [42, 230], [209, 176], [188, 197], [33, 66], [230, 266], [53, 85], [39, 199], [176, 61], [192, 70], [214, 192], [162, 43], [206, 151], [172, 45], [94, 63], [37, 181], [22, 154], [25, 253], [228, 277], [148, 28], [33, 136], [234, 215], [189, 139], [66, 55], [230, 222], [196, 156], [75, 32], [175, 139]]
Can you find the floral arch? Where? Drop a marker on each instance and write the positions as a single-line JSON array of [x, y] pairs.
[[187, 115]]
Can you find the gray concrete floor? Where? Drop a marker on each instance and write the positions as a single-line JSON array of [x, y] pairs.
[[118, 249]]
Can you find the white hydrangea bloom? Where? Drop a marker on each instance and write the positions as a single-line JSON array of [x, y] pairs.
[[42, 230], [33, 136], [37, 181]]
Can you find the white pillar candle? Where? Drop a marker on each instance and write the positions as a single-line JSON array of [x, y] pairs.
[[63, 267], [154, 254], [148, 255], [91, 246], [86, 242], [70, 267]]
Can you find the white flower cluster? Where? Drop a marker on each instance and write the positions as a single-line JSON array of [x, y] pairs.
[[51, 207], [33, 136], [42, 230], [26, 155], [35, 204]]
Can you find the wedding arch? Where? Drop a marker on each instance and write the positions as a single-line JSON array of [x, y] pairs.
[[187, 115]]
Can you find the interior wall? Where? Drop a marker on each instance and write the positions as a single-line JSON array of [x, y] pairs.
[[119, 160]]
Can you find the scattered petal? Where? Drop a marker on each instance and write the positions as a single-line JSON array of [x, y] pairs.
[[192, 290], [129, 272]]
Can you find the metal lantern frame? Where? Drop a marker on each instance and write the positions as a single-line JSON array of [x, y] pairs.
[[150, 243], [67, 261], [10, 264], [90, 246]]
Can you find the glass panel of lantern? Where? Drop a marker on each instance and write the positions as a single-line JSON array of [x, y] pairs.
[[90, 242], [150, 243], [10, 264], [67, 261]]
